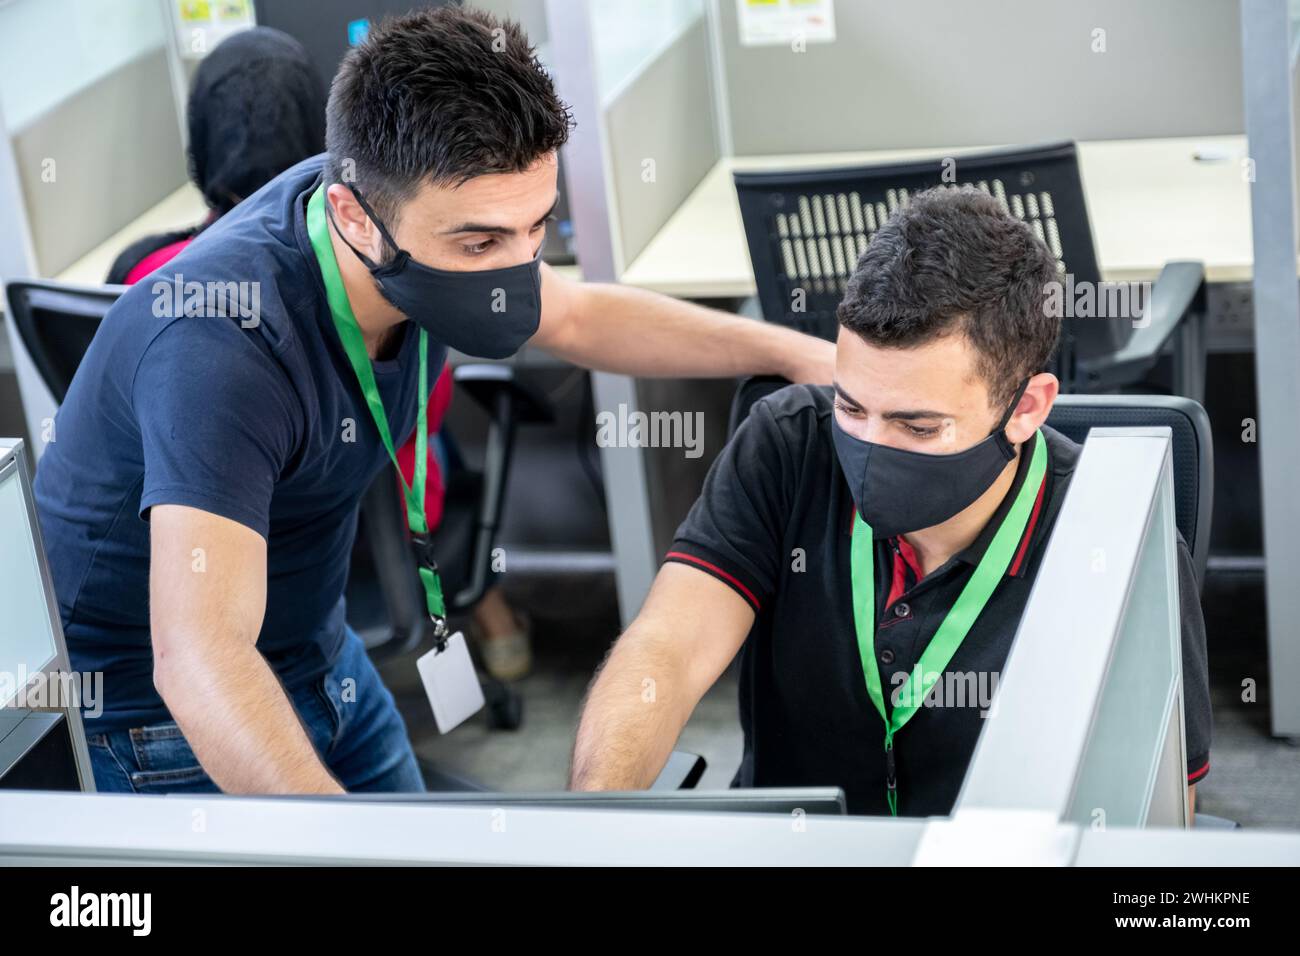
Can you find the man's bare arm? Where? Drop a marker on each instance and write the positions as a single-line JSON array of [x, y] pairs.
[[207, 598], [617, 328], [690, 628]]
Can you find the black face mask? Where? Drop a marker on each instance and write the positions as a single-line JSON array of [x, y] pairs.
[[899, 491], [490, 313]]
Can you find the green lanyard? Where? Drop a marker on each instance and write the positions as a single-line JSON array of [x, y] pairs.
[[955, 626], [350, 334]]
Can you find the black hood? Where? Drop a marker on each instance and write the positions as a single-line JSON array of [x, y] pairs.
[[257, 108]]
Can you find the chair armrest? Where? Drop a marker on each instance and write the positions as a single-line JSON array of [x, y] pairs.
[[487, 384], [507, 401], [1178, 291], [682, 772]]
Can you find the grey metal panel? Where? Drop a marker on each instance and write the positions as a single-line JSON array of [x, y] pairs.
[[131, 827], [17, 261], [944, 73], [665, 114], [17, 258], [99, 185], [13, 456], [1046, 740], [1170, 790], [586, 175], [62, 829], [1127, 776], [1174, 847], [1265, 39]]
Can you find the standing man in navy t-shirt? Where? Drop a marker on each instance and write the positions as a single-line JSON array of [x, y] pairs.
[[200, 501]]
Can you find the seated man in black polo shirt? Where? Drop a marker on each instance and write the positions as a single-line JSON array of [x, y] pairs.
[[935, 432]]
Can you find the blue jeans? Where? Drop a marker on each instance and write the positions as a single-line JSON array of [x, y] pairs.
[[349, 716]]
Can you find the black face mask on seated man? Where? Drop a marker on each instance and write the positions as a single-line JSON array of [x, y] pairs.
[[898, 491], [489, 313]]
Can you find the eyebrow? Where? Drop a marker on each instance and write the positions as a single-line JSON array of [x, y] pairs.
[[498, 230], [902, 415]]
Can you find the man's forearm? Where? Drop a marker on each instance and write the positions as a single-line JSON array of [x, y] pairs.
[[634, 332], [634, 712], [240, 723]]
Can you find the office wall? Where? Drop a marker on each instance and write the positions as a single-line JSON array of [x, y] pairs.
[[948, 73], [91, 119], [654, 82], [661, 137], [117, 150]]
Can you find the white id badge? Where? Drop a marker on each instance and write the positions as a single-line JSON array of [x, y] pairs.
[[451, 683]]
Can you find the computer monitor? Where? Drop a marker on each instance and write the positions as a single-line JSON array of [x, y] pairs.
[[42, 740], [811, 801], [27, 642]]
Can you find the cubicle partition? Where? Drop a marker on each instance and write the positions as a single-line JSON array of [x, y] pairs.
[[1081, 760], [1088, 720]]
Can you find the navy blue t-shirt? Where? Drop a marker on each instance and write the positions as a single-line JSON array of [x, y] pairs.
[[256, 416]]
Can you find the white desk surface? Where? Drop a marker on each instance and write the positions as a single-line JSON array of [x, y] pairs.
[[1149, 201], [183, 208]]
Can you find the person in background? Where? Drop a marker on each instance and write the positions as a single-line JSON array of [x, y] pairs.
[[254, 81], [258, 80]]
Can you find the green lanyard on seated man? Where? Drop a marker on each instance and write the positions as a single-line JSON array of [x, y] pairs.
[[960, 618]]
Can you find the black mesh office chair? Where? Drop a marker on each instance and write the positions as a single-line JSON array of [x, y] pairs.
[[57, 321], [806, 229], [1074, 415]]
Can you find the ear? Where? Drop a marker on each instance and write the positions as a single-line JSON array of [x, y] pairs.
[[353, 222], [1034, 406]]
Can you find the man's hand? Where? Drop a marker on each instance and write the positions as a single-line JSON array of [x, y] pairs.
[[690, 628], [207, 597], [614, 328]]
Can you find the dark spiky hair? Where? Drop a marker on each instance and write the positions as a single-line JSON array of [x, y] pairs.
[[955, 260], [439, 96]]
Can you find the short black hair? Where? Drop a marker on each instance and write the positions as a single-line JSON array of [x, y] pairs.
[[439, 96], [953, 259]]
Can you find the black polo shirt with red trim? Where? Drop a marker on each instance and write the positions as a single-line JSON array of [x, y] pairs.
[[774, 523]]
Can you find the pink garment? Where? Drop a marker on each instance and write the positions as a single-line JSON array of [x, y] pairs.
[[155, 260]]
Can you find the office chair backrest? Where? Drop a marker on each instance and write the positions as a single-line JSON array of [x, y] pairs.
[[806, 229], [1074, 415], [1193, 450], [56, 322]]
